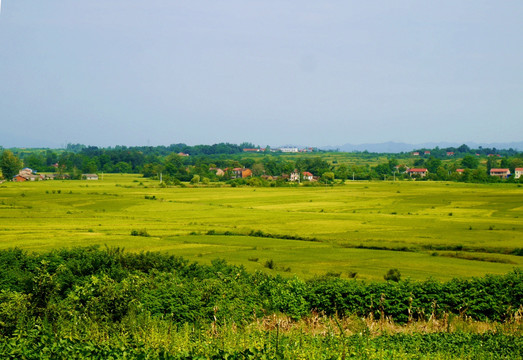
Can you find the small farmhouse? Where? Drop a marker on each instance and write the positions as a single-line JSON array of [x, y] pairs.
[[501, 173], [26, 174], [418, 172], [240, 173], [19, 178], [246, 173], [307, 176], [89, 177], [295, 176], [218, 171]]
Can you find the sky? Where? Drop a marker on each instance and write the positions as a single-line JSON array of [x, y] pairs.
[[311, 73]]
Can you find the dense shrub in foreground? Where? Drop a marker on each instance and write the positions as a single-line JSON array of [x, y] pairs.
[[109, 285]]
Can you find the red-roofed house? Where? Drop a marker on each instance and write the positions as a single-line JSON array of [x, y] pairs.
[[427, 152], [418, 172], [450, 153], [415, 153], [518, 172], [19, 178], [502, 173], [251, 150], [460, 171], [307, 176], [238, 173]]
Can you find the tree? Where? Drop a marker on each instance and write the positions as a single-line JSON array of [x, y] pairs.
[[258, 169], [35, 161], [342, 172], [470, 162], [195, 179], [327, 177], [393, 275], [9, 164], [433, 164], [492, 163]]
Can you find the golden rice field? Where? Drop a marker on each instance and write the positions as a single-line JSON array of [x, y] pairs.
[[424, 229]]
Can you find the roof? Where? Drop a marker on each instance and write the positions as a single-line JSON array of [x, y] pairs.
[[418, 170], [459, 170], [518, 169], [306, 173], [499, 170]]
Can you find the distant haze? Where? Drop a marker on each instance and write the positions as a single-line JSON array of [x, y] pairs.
[[314, 73]]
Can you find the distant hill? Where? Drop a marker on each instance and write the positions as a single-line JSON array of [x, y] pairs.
[[395, 147]]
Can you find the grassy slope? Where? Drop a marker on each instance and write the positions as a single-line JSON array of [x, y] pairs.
[[381, 214]]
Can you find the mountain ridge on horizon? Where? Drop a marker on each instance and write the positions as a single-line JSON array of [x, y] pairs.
[[383, 147]]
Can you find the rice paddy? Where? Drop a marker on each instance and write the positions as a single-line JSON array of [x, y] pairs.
[[362, 229]]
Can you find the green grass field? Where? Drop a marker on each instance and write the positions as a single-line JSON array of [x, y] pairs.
[[424, 229]]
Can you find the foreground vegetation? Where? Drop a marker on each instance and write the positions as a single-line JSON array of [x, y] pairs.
[[91, 303]]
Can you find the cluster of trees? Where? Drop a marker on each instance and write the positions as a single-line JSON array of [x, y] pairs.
[[180, 168], [9, 164], [464, 150], [474, 171]]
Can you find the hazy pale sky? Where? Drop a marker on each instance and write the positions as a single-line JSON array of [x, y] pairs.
[[128, 72]]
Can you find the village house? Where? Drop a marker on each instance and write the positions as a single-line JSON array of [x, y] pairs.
[[427, 152], [35, 177], [518, 172], [307, 176], [289, 149], [415, 153], [246, 173], [295, 176], [217, 171], [403, 167], [460, 171], [450, 153], [501, 173], [418, 172], [240, 173], [26, 174], [19, 178], [89, 176]]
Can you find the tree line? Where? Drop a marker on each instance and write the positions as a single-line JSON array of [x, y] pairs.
[[203, 160]]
